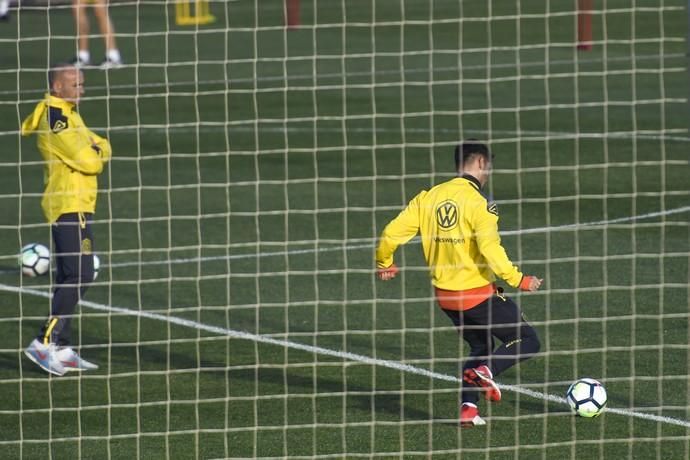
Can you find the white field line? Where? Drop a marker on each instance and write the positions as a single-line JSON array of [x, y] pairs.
[[351, 247], [363, 359]]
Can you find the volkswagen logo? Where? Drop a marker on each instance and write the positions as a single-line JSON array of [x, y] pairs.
[[447, 215]]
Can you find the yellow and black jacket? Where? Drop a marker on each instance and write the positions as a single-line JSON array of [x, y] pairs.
[[460, 240], [73, 155]]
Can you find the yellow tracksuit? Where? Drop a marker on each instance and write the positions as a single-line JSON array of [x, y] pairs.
[[459, 232], [73, 155]]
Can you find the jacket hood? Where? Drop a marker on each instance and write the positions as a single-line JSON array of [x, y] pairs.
[[30, 123]]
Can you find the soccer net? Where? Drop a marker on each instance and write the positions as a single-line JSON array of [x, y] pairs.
[[236, 313]]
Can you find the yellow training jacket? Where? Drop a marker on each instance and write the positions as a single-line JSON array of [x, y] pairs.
[[73, 157], [459, 231]]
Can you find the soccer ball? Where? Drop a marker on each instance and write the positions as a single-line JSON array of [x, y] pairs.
[[34, 260], [586, 397], [96, 266]]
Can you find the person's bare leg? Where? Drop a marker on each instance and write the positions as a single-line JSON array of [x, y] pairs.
[[100, 10], [82, 22]]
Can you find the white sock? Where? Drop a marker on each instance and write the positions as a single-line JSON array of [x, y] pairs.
[[84, 56], [113, 55], [4, 7]]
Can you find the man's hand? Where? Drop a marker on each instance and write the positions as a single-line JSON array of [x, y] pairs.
[[388, 273], [95, 146], [530, 283]]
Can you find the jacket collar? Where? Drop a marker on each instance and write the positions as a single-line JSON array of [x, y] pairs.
[[473, 180], [55, 101]]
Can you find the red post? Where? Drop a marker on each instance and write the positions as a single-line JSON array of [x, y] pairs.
[[292, 13], [584, 24]]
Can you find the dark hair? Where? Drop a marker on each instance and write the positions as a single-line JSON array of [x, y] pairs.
[[465, 151], [55, 70]]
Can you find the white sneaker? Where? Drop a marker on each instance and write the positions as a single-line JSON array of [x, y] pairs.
[[45, 356], [80, 63], [111, 64], [71, 361]]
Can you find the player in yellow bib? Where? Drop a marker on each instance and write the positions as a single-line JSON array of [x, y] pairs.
[[73, 156], [462, 247]]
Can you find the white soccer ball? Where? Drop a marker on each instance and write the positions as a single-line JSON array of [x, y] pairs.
[[34, 260], [96, 266], [586, 397]]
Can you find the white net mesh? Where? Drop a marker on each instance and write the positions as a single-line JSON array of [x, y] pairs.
[[236, 313]]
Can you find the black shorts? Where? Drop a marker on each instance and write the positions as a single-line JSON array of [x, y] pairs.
[[497, 316]]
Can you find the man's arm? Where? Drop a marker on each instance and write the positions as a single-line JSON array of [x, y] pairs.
[[74, 146], [78, 154], [399, 231], [102, 146], [489, 242]]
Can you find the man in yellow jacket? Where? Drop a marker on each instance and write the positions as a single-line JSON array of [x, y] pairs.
[[461, 245], [74, 156]]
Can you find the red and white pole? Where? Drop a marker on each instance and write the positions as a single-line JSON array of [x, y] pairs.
[[584, 24]]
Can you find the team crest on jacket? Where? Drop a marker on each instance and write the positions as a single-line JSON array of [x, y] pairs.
[[492, 208], [447, 215], [57, 121]]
